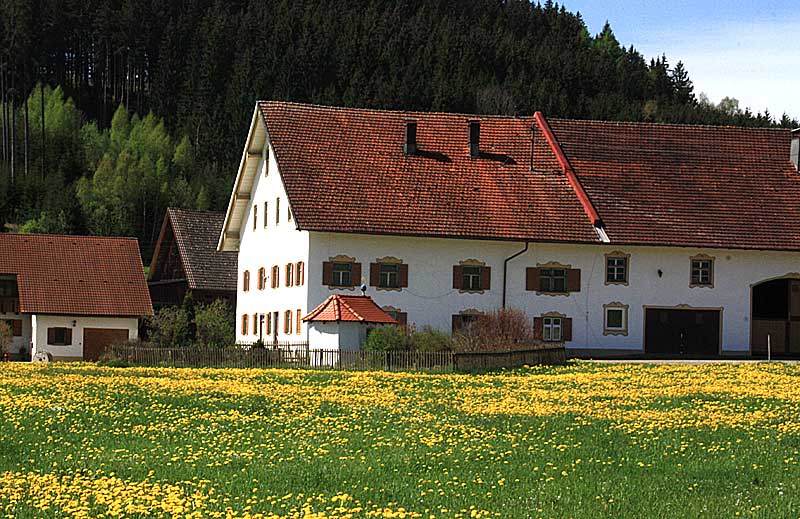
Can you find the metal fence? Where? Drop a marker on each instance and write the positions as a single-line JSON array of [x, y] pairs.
[[300, 356]]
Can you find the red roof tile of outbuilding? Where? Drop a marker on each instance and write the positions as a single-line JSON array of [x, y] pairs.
[[76, 275], [340, 307], [652, 184]]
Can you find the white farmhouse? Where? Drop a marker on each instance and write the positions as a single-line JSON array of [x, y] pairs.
[[614, 237], [69, 297]]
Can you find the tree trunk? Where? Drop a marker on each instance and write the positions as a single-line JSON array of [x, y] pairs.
[[44, 143], [27, 137]]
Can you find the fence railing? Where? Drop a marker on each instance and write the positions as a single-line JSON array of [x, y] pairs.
[[299, 355]]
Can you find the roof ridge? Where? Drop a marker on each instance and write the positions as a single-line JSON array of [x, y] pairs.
[[387, 111]]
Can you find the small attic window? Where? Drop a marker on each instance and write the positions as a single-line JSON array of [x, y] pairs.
[[265, 156]]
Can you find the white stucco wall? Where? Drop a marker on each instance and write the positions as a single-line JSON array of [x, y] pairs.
[[40, 324], [277, 244], [431, 300], [345, 336], [25, 340]]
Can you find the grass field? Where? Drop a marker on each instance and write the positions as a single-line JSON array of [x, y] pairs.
[[585, 440]]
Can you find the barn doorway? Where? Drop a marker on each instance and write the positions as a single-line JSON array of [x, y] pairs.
[[682, 331], [776, 317]]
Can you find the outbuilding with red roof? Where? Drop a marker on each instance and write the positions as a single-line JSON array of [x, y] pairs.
[[69, 297]]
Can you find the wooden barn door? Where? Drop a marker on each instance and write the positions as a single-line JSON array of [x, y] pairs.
[[96, 340]]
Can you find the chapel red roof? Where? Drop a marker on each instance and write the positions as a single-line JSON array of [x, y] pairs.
[[339, 307], [345, 170], [76, 275]]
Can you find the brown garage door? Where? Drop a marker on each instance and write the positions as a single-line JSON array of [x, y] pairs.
[[677, 332], [96, 340]]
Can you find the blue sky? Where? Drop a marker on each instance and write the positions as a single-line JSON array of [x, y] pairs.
[[746, 50]]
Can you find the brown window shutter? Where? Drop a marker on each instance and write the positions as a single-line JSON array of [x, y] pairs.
[[486, 278], [299, 321], [51, 335], [566, 329], [16, 327], [327, 273], [244, 325], [532, 278], [356, 277], [374, 274], [573, 280], [403, 276], [456, 320], [68, 336], [457, 278], [402, 318], [537, 328], [255, 324]]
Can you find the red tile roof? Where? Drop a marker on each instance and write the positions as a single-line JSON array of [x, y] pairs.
[[340, 307], [76, 275], [656, 184]]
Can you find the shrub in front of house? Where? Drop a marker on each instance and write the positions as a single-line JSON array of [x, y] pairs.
[[386, 338], [169, 327], [429, 339], [214, 324], [500, 330]]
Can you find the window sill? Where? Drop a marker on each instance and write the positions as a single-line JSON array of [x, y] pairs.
[[341, 287], [390, 289], [540, 293], [621, 283], [615, 332], [466, 291], [704, 285]]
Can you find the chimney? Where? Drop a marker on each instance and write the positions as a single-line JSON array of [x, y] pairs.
[[794, 150], [474, 138], [533, 137], [410, 146]]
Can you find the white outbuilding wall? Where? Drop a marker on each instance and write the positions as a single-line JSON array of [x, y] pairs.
[[74, 351], [431, 300], [276, 243]]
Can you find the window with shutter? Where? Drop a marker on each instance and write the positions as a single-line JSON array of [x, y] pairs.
[[342, 275], [553, 279], [59, 336], [287, 322], [16, 327], [299, 322], [552, 327], [246, 281], [255, 217], [266, 215], [289, 274], [277, 210], [472, 276], [245, 320], [262, 278], [255, 324], [397, 315], [300, 274], [276, 276]]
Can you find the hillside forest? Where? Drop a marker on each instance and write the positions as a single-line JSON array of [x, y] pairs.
[[112, 110]]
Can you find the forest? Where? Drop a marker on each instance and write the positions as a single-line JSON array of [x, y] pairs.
[[112, 110]]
